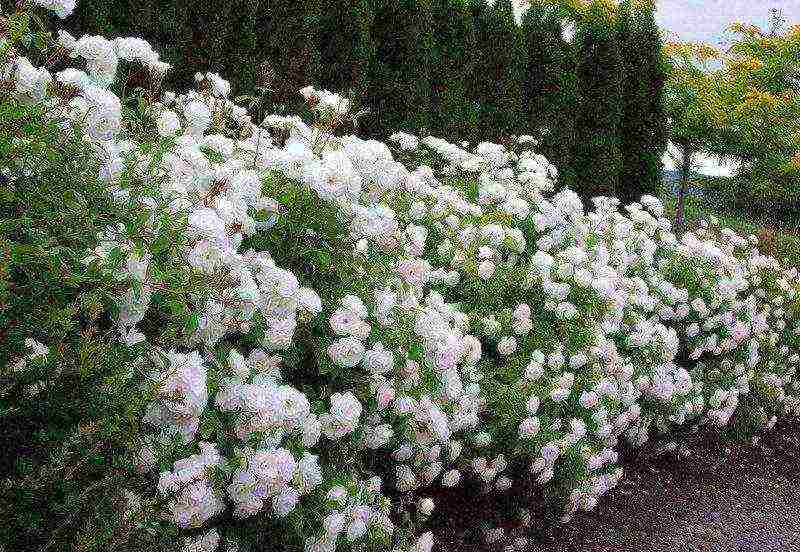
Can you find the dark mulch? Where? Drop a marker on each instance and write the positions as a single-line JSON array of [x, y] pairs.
[[711, 495]]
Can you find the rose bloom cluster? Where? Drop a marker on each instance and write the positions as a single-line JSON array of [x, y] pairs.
[[354, 322]]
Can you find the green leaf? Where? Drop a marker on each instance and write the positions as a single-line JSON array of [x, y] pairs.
[[192, 323], [321, 258], [136, 285]]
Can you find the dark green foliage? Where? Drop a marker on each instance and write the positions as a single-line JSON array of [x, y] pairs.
[[477, 10], [63, 445], [346, 49], [548, 86], [291, 45], [399, 92], [498, 74], [643, 131], [232, 38], [460, 69], [163, 23], [452, 113], [241, 65], [597, 148], [94, 18]]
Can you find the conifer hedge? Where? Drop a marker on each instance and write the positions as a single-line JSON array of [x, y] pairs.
[[455, 68]]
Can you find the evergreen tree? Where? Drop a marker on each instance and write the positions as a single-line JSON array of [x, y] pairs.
[[596, 147], [243, 69], [292, 48], [164, 24], [476, 82], [452, 113], [548, 85], [345, 46], [399, 93], [167, 28], [643, 131], [499, 71], [93, 18], [198, 32]]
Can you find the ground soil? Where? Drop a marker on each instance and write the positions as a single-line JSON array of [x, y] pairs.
[[710, 495]]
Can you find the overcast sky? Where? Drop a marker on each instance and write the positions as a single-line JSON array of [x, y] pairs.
[[704, 20]]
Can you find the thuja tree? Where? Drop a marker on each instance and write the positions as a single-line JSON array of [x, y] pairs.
[[452, 113], [598, 114], [94, 17], [475, 82], [292, 48], [345, 45], [243, 62], [548, 84], [499, 70], [191, 35], [399, 94], [643, 130], [213, 44]]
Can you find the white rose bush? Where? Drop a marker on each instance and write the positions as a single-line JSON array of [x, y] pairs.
[[323, 328]]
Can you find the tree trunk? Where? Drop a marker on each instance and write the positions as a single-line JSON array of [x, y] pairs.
[[686, 166]]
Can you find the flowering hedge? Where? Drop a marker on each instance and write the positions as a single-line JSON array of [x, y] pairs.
[[324, 328]]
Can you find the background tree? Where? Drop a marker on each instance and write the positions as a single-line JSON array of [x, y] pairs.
[[643, 130], [694, 109], [476, 82], [597, 146], [96, 16], [292, 48], [760, 78], [345, 46], [452, 113], [548, 83], [743, 107], [419, 65], [243, 64], [499, 71], [399, 93]]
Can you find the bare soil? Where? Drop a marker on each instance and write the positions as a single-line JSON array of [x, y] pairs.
[[711, 495]]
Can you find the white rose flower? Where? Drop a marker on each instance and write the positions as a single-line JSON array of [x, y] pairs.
[[346, 352], [425, 506]]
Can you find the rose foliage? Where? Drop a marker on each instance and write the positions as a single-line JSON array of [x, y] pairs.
[[326, 327]]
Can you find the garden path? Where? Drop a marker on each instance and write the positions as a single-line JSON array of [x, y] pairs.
[[709, 496], [722, 497]]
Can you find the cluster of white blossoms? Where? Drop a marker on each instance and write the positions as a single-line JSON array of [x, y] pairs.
[[267, 477], [29, 81], [350, 514], [62, 8], [194, 499], [181, 393], [327, 104], [37, 356], [406, 142], [354, 320]]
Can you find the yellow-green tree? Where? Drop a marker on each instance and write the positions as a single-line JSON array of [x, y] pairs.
[[761, 77], [694, 108], [742, 104]]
